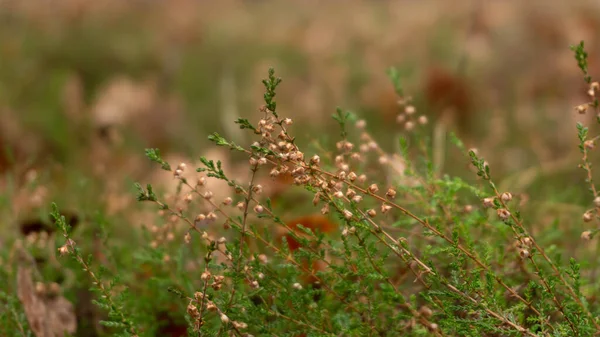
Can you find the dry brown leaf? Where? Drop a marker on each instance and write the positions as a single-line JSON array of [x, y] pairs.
[[48, 315]]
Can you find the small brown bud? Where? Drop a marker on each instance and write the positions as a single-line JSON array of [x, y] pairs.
[[63, 250], [325, 209], [503, 213], [587, 235], [258, 209], [257, 189], [372, 213], [373, 188], [425, 312], [468, 208], [224, 319], [361, 124], [422, 120], [297, 286], [352, 176], [588, 216], [357, 198], [187, 238], [385, 208], [488, 202], [409, 110], [581, 108], [338, 194], [263, 258], [391, 193], [241, 205], [589, 144], [288, 121], [524, 253], [409, 126], [506, 196], [347, 214]]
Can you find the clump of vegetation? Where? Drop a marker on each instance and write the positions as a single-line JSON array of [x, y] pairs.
[[372, 244]]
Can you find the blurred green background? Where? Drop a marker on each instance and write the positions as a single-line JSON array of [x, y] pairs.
[[86, 86]]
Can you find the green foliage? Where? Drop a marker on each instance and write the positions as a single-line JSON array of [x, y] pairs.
[[400, 251]]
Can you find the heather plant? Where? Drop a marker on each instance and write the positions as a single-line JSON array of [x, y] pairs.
[[400, 248]]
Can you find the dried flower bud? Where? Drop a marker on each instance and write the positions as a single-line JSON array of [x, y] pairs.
[[193, 311], [297, 286], [524, 253], [527, 241], [263, 258], [205, 276], [361, 124], [433, 326], [581, 108], [241, 205], [385, 208], [211, 216], [425, 312], [391, 193], [503, 213], [357, 198], [208, 195], [409, 110], [587, 235], [506, 196], [257, 189], [240, 325], [383, 160], [400, 118], [338, 194], [345, 232], [373, 188], [187, 238], [347, 214], [63, 250], [258, 209], [409, 126], [372, 213], [488, 202], [362, 178], [588, 216], [325, 209], [252, 161], [589, 144], [188, 198], [227, 201], [201, 181], [422, 120], [597, 201], [352, 176], [224, 319], [315, 160], [221, 240], [468, 208], [274, 173]]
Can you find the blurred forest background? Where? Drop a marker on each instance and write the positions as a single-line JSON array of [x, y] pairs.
[[86, 86]]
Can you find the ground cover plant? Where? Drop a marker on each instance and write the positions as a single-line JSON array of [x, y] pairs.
[[443, 198], [354, 242]]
